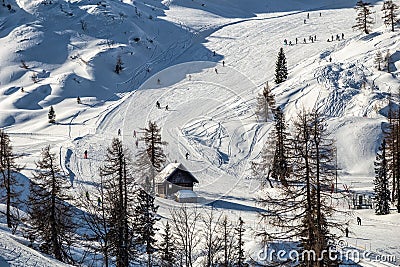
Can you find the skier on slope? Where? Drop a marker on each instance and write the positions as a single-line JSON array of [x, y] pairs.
[[158, 104], [187, 155], [85, 154]]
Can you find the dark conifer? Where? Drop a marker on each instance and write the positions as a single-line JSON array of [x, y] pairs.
[[363, 19], [51, 216], [381, 182], [281, 73]]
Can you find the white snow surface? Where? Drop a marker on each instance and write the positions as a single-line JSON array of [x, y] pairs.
[[70, 49]]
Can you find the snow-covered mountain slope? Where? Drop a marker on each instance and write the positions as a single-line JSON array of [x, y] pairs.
[[58, 50]]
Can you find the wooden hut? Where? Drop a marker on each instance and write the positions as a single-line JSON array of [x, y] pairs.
[[172, 178]]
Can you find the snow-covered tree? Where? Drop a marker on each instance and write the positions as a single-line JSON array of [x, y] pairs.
[[281, 73], [363, 19], [51, 217], [390, 10], [382, 182], [52, 115]]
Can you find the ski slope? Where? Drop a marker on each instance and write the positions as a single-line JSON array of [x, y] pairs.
[[71, 47]]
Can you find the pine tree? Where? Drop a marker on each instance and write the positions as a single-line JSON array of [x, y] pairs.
[[50, 214], [239, 229], [152, 158], [382, 182], [119, 182], [364, 19], [378, 60], [167, 248], [281, 73], [145, 217], [8, 171], [265, 104], [52, 115], [390, 10]]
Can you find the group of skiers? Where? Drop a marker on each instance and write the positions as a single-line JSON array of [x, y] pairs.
[[158, 105], [337, 38], [310, 38]]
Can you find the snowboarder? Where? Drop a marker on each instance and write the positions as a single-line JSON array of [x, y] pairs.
[[87, 195], [85, 154], [216, 71], [98, 201], [187, 155], [223, 63], [119, 132], [158, 104], [166, 107], [347, 232], [358, 221], [22, 89]]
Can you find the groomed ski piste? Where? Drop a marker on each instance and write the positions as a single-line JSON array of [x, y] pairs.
[[172, 52]]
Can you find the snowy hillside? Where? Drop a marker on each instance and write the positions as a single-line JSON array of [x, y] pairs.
[[172, 51]]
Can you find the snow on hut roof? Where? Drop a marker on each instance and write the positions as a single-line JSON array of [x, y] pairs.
[[169, 170]]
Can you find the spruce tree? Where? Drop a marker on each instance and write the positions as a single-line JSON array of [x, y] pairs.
[[8, 171], [281, 73], [52, 115], [382, 182], [265, 104], [145, 217], [167, 248], [363, 19], [390, 10], [50, 214]]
